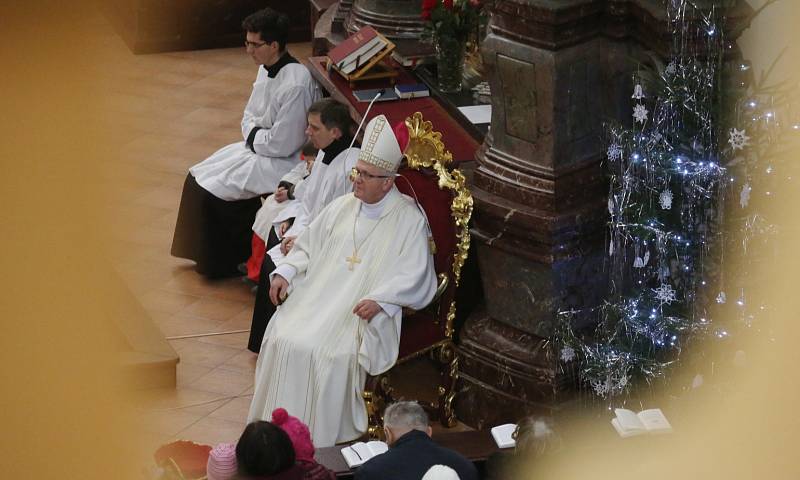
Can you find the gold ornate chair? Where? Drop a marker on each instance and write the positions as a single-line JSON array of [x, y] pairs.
[[442, 193]]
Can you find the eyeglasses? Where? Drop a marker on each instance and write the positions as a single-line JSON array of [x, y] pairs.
[[248, 44], [356, 173]]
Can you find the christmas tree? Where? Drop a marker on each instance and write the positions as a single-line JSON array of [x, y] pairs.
[[700, 128]]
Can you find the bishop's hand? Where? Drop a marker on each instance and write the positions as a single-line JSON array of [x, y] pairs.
[[366, 309], [278, 289]]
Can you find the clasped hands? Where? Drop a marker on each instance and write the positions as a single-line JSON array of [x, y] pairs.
[[365, 309], [281, 194]]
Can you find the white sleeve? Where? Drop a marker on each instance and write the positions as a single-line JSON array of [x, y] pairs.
[[249, 118], [287, 134], [286, 271], [390, 308]]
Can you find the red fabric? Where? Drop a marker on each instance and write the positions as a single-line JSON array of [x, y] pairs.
[[456, 139], [401, 134], [190, 457], [422, 330], [436, 203], [258, 249]]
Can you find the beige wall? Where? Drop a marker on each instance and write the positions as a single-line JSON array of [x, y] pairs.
[[775, 28]]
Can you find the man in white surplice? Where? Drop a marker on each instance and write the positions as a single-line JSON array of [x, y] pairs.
[[347, 277], [221, 194], [330, 128]]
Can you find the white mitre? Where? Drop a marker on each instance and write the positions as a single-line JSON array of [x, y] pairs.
[[380, 147]]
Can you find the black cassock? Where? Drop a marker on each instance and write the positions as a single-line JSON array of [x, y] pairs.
[[215, 233]]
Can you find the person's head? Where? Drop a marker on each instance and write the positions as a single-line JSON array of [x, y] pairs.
[[378, 160], [370, 183], [403, 417], [221, 463], [328, 120], [535, 436], [440, 472], [266, 34], [263, 449], [298, 433]]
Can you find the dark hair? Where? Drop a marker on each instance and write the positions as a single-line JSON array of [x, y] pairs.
[[309, 149], [263, 449], [271, 25], [333, 114]]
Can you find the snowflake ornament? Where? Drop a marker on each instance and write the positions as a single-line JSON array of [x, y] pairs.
[[567, 354], [614, 152], [611, 385], [600, 387], [737, 139], [671, 69], [638, 94], [722, 298], [665, 294], [640, 113], [744, 195], [665, 199]]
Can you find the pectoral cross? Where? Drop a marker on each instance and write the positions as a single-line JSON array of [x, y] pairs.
[[352, 260]]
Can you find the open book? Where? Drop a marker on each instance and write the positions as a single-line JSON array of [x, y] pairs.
[[629, 424], [502, 435], [360, 452]]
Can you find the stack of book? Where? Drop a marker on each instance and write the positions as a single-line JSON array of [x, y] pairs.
[[357, 57]]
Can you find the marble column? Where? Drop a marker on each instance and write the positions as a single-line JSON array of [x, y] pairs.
[[557, 71]]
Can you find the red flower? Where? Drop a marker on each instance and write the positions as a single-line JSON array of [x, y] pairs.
[[448, 4], [427, 6], [475, 3]]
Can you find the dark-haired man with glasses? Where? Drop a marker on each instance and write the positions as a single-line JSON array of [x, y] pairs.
[[221, 194]]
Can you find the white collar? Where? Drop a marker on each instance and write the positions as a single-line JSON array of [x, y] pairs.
[[373, 210]]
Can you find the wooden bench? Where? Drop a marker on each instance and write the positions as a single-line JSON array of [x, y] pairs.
[[475, 445]]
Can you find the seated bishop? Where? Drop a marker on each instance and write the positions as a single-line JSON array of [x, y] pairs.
[[330, 129], [340, 291]]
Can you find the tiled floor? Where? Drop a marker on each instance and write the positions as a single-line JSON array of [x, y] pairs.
[[173, 110]]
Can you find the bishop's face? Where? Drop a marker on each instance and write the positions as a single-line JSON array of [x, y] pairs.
[[370, 183], [261, 52], [320, 135]]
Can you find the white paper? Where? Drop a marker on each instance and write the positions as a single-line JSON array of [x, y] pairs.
[[502, 435], [477, 113]]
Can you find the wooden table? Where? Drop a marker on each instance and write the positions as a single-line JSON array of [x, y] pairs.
[[474, 445], [461, 142]]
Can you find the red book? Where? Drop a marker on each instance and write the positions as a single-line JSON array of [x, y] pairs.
[[357, 49]]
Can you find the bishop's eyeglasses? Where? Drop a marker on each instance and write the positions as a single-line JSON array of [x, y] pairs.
[[355, 173]]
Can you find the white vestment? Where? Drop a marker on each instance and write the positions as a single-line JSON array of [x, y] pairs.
[[326, 183], [277, 105], [270, 208], [316, 353]]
